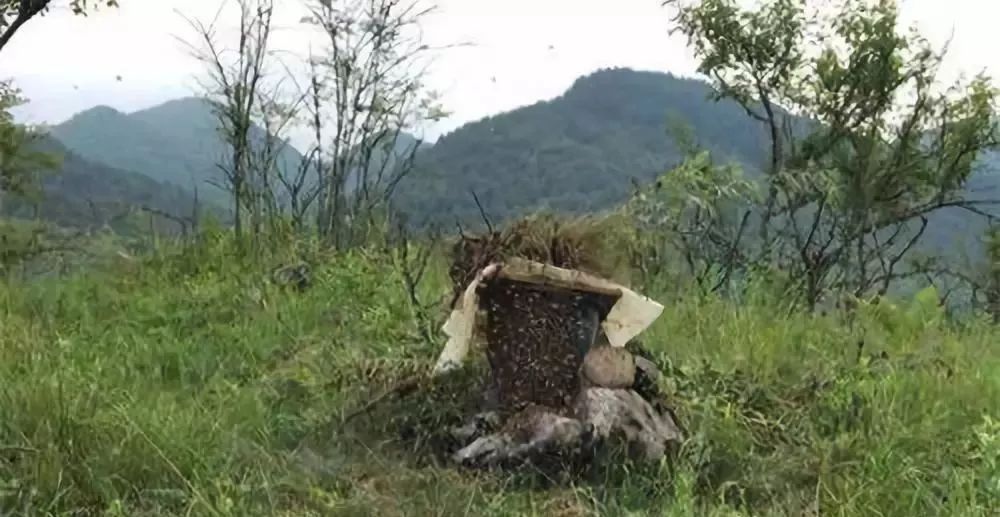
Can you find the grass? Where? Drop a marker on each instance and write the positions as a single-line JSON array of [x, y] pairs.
[[187, 384]]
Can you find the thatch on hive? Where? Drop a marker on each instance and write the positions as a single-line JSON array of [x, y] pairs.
[[537, 335], [586, 244]]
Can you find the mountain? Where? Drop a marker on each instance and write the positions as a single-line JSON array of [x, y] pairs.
[[175, 142], [385, 159], [86, 194], [578, 152], [581, 151]]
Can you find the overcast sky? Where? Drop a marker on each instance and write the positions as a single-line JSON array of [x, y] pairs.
[[519, 51]]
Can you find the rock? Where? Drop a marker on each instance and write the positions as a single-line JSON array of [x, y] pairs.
[[531, 432], [611, 412], [296, 275], [480, 424], [601, 415], [609, 367], [648, 369], [647, 379]]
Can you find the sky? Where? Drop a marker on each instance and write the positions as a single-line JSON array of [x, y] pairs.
[[504, 54]]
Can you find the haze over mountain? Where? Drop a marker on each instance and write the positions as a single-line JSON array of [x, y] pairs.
[[85, 194], [175, 142]]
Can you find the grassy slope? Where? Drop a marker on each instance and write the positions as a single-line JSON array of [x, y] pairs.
[[188, 385]]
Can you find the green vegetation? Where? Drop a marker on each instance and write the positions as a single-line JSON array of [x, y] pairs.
[[580, 153], [149, 376], [41, 180], [186, 383], [82, 194], [576, 153]]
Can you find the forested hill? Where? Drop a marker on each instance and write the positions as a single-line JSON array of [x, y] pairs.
[[176, 142], [581, 152], [81, 193], [578, 152]]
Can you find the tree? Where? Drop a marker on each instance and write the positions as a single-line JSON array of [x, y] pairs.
[[363, 92], [366, 92], [991, 288], [19, 162], [239, 91], [15, 13], [865, 144], [696, 212]]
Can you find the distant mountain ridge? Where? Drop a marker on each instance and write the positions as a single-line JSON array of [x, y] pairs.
[[580, 152], [85, 194], [176, 142]]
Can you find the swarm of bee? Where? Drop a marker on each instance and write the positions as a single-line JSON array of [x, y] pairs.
[[536, 337], [556, 386]]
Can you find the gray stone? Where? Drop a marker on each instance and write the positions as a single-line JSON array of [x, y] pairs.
[[609, 367], [297, 275], [602, 414], [625, 412], [536, 432]]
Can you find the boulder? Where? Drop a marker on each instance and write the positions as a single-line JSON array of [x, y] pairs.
[[625, 414]]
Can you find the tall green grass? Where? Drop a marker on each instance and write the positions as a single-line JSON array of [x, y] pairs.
[[188, 384]]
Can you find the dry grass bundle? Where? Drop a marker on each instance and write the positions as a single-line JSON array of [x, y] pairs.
[[584, 243]]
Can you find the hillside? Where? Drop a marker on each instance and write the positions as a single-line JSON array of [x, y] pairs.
[[175, 142], [578, 152], [582, 151], [85, 194]]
